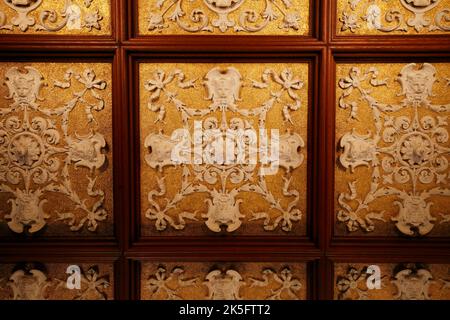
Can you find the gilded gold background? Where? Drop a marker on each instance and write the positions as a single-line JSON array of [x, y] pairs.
[[355, 13], [97, 281], [54, 98], [291, 20], [351, 281], [198, 287], [388, 205], [195, 98], [95, 18]]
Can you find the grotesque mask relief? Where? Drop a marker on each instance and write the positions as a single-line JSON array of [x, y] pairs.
[[36, 281], [41, 151], [371, 17], [52, 16], [404, 155], [204, 281], [273, 17], [412, 284], [410, 281], [215, 149]]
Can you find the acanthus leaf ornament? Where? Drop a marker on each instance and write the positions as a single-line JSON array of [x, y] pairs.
[[36, 154], [402, 150]]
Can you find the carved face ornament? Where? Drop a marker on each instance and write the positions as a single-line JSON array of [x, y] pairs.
[[223, 87], [417, 83], [27, 210], [414, 215], [415, 149], [28, 286], [23, 87], [412, 286], [223, 6], [223, 210], [224, 286], [419, 6], [23, 5]]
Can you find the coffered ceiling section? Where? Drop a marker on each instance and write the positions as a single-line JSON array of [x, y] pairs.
[[392, 136], [393, 281], [56, 281], [223, 281], [257, 17], [55, 149], [69, 17], [223, 148], [392, 17]]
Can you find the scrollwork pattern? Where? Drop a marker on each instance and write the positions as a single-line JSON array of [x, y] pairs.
[[228, 15], [385, 16], [406, 149], [37, 153], [73, 16]]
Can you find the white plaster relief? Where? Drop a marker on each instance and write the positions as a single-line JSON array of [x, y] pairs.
[[31, 147], [415, 151]]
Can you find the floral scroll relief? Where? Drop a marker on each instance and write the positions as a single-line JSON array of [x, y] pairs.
[[249, 20], [35, 156], [402, 150], [30, 283], [360, 12], [225, 284], [407, 282], [71, 17], [222, 90]]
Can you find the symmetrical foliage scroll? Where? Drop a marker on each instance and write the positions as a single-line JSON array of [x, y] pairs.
[[404, 281], [224, 16], [53, 16], [37, 281], [366, 17], [396, 163], [195, 281], [49, 137], [222, 195]]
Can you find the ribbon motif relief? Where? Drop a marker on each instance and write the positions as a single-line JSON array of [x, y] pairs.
[[222, 184], [399, 282], [366, 16], [35, 156], [407, 154], [72, 16], [33, 283], [226, 284], [283, 13]]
